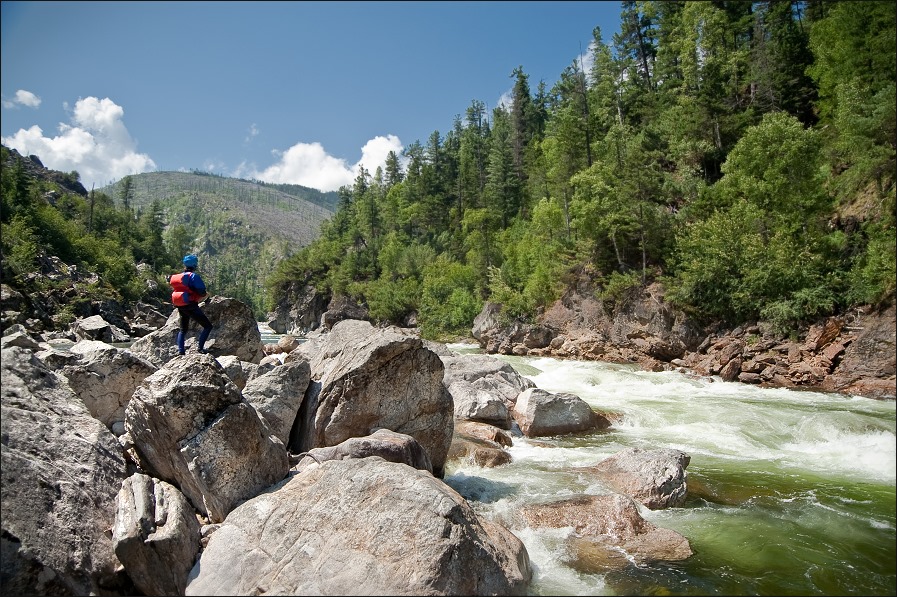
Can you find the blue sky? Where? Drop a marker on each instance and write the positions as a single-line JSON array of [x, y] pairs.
[[296, 92]]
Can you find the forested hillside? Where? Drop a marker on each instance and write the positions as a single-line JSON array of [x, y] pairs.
[[134, 232], [741, 153], [239, 229]]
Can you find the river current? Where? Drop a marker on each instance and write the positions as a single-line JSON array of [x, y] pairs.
[[790, 492]]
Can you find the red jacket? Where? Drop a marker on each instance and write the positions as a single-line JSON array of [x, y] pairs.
[[188, 288]]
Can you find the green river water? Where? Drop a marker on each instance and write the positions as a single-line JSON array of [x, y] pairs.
[[789, 492]]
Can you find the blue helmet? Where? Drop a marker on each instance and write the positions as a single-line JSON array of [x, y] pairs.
[[190, 260]]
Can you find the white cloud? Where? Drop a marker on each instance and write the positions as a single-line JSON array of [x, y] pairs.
[[96, 144], [253, 132], [506, 100], [23, 98], [307, 164]]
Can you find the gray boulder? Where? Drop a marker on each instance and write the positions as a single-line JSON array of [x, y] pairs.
[[278, 394], [388, 445], [474, 404], [366, 378], [360, 526], [656, 478], [541, 413], [61, 470], [156, 535], [235, 332], [97, 328], [488, 374], [20, 338], [105, 378], [190, 426]]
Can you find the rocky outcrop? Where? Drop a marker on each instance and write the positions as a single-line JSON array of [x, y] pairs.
[[360, 526], [61, 472], [342, 308], [299, 311], [850, 353]]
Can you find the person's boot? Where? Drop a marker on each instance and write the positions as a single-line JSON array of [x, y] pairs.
[[181, 350]]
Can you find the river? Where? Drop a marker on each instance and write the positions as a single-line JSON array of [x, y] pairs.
[[790, 492]]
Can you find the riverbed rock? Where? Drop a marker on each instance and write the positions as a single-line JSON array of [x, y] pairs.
[[607, 532], [486, 374], [540, 413], [365, 378], [656, 478], [360, 526], [474, 404]]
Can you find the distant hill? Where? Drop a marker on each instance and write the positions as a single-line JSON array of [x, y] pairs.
[[289, 209], [240, 229]]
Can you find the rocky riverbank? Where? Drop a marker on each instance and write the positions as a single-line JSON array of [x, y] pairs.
[[851, 354], [319, 471]]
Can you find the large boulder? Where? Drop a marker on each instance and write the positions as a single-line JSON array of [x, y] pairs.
[[156, 535], [540, 413], [365, 378], [477, 382], [105, 377], [278, 394], [360, 526], [61, 471], [656, 478], [189, 425], [474, 404], [235, 332], [97, 328], [480, 443]]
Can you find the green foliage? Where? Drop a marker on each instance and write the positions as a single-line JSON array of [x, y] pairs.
[[786, 184], [619, 287], [872, 278], [20, 246], [392, 300], [448, 302], [741, 152]]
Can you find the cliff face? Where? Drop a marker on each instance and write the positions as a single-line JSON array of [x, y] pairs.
[[853, 353]]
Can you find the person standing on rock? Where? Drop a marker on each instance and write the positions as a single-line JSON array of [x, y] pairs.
[[188, 290]]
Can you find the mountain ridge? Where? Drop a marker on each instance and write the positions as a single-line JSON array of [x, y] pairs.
[[239, 229]]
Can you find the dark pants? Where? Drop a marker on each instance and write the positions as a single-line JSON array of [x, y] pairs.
[[186, 314], [193, 312]]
